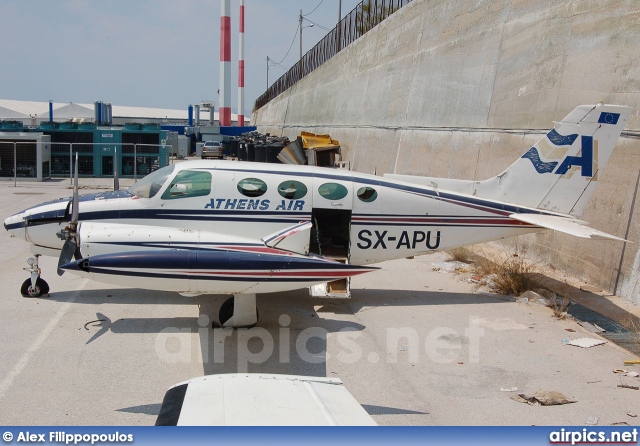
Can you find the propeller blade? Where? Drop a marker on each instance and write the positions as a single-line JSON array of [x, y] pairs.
[[70, 247], [116, 180], [74, 214], [68, 250]]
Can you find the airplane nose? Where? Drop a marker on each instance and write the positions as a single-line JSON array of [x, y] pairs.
[[15, 224]]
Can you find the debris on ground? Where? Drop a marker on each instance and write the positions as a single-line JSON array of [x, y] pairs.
[[490, 281], [451, 267], [510, 389], [623, 372], [592, 328], [632, 415], [591, 421], [625, 386], [543, 398], [586, 342], [632, 361], [534, 298]]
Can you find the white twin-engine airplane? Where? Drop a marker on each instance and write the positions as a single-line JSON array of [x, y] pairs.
[[227, 227]]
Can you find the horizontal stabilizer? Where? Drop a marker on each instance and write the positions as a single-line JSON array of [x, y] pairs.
[[567, 225]]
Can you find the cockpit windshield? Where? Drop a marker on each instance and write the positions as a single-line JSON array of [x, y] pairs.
[[152, 183]]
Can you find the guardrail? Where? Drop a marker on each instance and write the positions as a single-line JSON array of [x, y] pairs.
[[355, 24]]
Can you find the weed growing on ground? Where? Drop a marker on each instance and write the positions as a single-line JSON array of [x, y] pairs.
[[460, 255], [632, 325], [560, 307], [509, 272]]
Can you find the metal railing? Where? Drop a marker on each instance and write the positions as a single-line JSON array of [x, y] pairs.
[[42, 162], [359, 21]]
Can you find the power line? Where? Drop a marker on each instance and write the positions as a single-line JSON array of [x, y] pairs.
[[318, 25], [290, 46], [273, 64], [309, 13]]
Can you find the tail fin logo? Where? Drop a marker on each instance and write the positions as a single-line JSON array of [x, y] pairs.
[[584, 160], [541, 167]]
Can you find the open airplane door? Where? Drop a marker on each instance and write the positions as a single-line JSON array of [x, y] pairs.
[[330, 236]]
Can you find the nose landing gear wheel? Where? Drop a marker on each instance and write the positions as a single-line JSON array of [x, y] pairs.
[[40, 289]]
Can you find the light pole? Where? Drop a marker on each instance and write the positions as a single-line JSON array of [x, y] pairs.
[[339, 24], [301, 18], [267, 72]]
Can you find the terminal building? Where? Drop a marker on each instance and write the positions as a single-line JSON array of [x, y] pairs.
[[38, 140]]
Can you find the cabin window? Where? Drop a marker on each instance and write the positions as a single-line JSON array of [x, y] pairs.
[[149, 186], [187, 184], [333, 191], [252, 187], [292, 190], [367, 194]]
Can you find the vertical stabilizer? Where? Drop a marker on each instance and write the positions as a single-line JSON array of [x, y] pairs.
[[560, 172]]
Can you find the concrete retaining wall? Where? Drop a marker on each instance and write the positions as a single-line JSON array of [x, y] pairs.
[[460, 89]]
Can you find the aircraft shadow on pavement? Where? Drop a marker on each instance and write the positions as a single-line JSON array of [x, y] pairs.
[[383, 410], [120, 296], [141, 325], [407, 298], [290, 338], [147, 409]]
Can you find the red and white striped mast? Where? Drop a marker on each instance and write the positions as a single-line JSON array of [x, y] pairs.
[[225, 64], [241, 68]]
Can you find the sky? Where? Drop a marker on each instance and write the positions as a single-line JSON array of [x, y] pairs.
[[148, 53]]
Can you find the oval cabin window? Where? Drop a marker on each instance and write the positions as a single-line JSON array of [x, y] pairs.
[[367, 194], [252, 187], [292, 190], [333, 191]]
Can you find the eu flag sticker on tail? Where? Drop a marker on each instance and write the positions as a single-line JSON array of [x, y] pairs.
[[609, 118]]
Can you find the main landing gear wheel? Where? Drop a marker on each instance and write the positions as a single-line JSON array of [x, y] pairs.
[[40, 289], [239, 311]]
